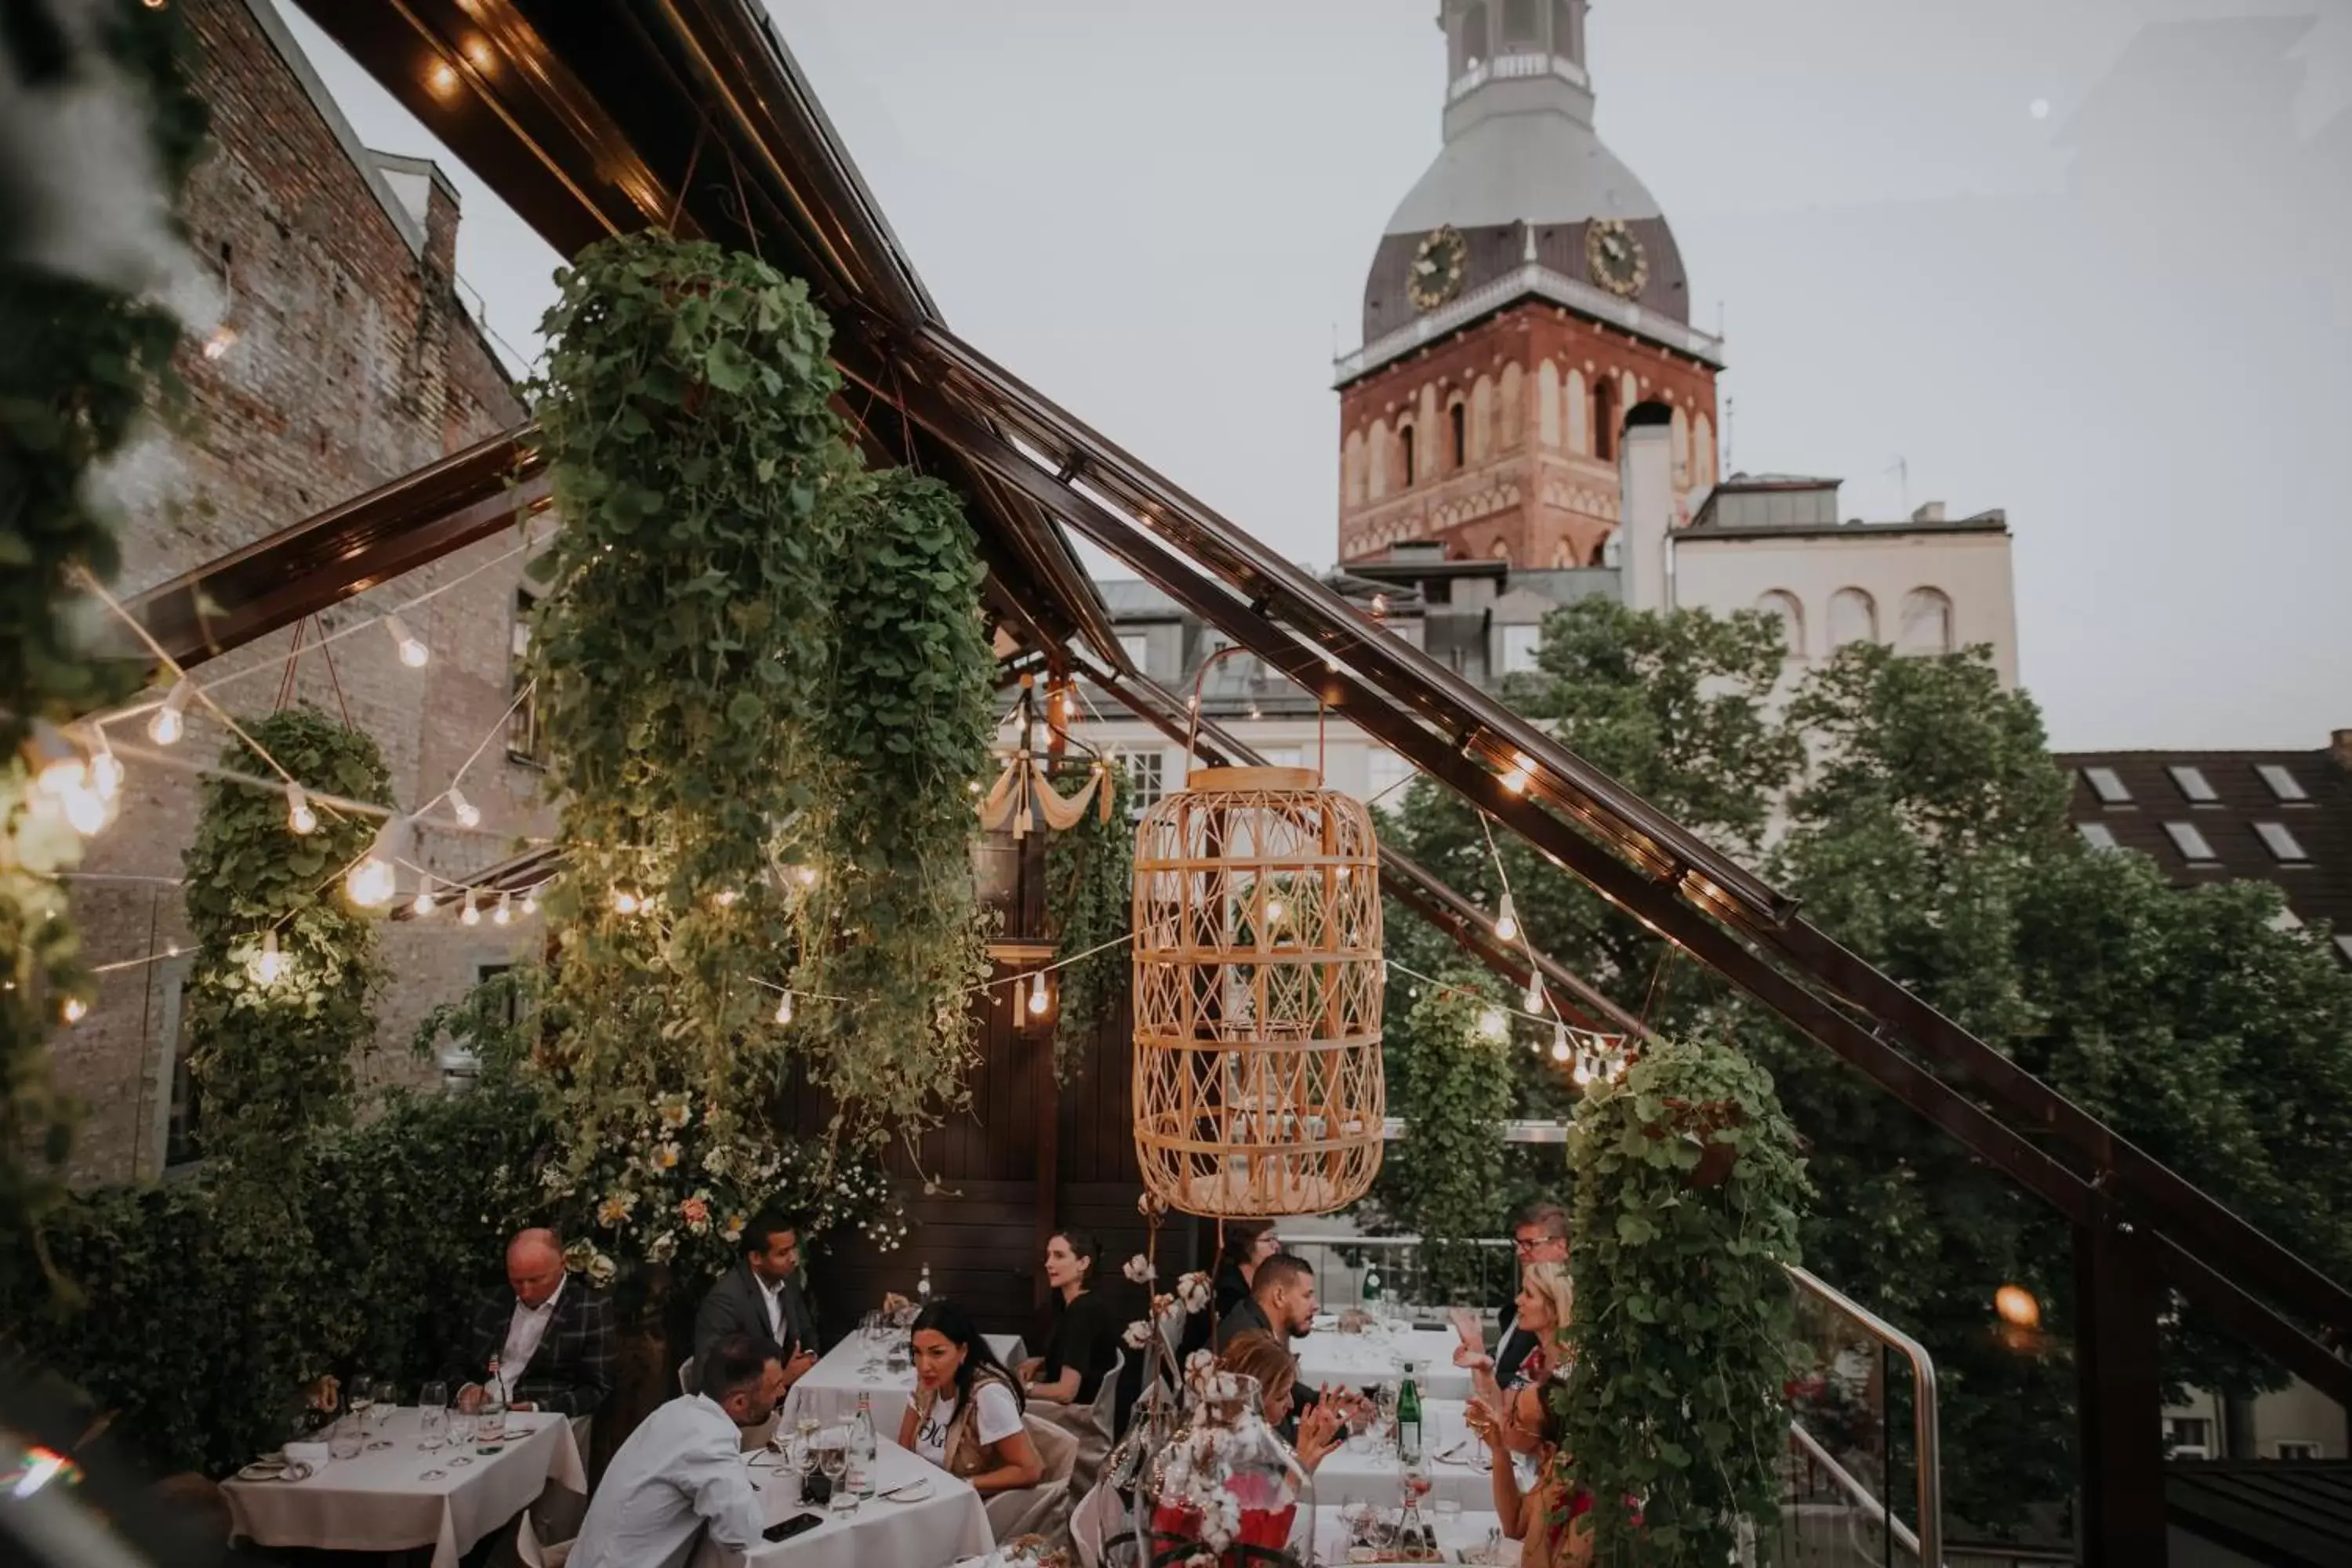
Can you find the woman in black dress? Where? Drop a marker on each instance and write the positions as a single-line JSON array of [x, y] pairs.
[[1083, 1343], [1247, 1243]]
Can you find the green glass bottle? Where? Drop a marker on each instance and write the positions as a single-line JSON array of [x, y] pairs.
[[1408, 1420]]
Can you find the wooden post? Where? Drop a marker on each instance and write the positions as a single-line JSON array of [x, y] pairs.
[[2119, 1403]]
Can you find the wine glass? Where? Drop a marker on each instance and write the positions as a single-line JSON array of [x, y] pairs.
[[834, 1459], [462, 1423], [361, 1399], [432, 1425], [379, 1412]]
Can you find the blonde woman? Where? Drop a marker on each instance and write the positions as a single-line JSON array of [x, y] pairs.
[[1547, 1520]]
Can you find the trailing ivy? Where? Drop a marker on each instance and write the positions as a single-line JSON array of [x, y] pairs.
[[1090, 898], [1688, 1192], [1451, 1080], [273, 1056], [84, 363]]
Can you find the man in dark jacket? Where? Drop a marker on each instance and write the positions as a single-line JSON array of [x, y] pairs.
[[1540, 1234], [552, 1335], [762, 1297]]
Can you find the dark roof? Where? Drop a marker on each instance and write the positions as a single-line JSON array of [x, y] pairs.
[[2287, 1513], [1705, 526], [2318, 887]]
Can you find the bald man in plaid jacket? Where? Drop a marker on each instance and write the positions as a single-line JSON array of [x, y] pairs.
[[552, 1322]]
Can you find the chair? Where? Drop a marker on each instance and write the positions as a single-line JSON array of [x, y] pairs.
[[531, 1553], [1093, 1424], [1096, 1521], [686, 1376], [1040, 1509]]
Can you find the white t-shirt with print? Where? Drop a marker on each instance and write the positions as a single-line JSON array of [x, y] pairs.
[[998, 1418]]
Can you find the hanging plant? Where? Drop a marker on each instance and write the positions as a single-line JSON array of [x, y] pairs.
[[1449, 1078], [276, 1001], [89, 356], [909, 713], [1688, 1191], [1090, 898]]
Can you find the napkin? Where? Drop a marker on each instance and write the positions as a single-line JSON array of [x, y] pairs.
[[309, 1459]]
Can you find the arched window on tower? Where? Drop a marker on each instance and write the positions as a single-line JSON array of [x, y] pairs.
[[1784, 608], [1605, 418], [1475, 48], [1563, 30], [1501, 551], [1519, 24], [1405, 448], [1682, 448], [1854, 617], [1482, 444], [1458, 419], [1926, 624], [1376, 459], [1351, 468], [1547, 403], [1702, 453]]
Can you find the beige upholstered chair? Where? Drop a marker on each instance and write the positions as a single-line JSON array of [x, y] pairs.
[[1091, 1424], [1044, 1509]]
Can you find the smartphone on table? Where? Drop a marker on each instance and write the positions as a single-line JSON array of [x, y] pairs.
[[785, 1529]]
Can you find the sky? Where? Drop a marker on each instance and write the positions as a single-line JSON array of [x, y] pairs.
[[2080, 262]]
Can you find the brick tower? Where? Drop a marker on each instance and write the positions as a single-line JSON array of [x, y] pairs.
[[1526, 294]]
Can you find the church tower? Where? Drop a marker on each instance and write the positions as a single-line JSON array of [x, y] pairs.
[[1525, 295]]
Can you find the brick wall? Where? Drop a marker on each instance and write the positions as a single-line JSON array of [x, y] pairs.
[[353, 363]]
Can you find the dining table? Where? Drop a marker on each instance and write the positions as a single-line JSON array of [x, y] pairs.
[[1473, 1536], [397, 1496], [1364, 1470], [827, 1393], [1380, 1355], [935, 1520]]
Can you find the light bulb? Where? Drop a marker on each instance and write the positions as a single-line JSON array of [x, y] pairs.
[[467, 813], [1533, 1002], [105, 770], [726, 897], [1583, 1074], [472, 914], [1517, 778], [369, 884], [1507, 921], [171, 722], [223, 339], [530, 902], [413, 651], [1561, 1050], [271, 965], [1493, 1024], [422, 904], [298, 814], [1038, 1000], [504, 913], [86, 812], [784, 1008], [75, 1010], [624, 902], [805, 876], [1273, 912]]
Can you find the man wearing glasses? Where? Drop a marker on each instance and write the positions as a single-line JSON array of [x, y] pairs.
[[1538, 1235]]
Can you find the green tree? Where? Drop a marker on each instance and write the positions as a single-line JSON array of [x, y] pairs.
[[1449, 1078]]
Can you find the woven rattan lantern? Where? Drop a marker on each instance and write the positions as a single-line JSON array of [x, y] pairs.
[[1257, 995]]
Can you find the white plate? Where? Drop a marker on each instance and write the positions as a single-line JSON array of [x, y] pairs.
[[913, 1492], [262, 1470]]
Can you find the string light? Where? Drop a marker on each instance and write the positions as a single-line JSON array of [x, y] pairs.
[[1038, 1000], [472, 914], [413, 651], [624, 902], [1507, 921], [75, 1010], [105, 770], [298, 814], [504, 913], [270, 966], [424, 904], [372, 883], [62, 773], [1560, 1049], [467, 813], [1274, 908], [784, 1008], [1522, 767], [1533, 1002], [1583, 1074], [725, 898], [530, 901], [1493, 1024], [171, 720]]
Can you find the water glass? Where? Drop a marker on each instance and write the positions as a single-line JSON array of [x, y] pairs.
[[462, 1423], [432, 1425], [344, 1439], [834, 1459]]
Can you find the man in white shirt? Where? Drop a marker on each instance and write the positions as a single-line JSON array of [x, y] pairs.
[[681, 1471]]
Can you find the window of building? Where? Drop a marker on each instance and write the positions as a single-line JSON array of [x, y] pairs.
[[2097, 835], [2284, 785], [2285, 919], [1854, 617], [2108, 785], [1563, 29], [1283, 756], [1518, 21], [2189, 1436], [1387, 776], [525, 743], [1474, 36], [1460, 418], [1783, 607], [1404, 446], [2189, 842], [1926, 625], [2193, 785], [184, 1129], [1604, 422], [1520, 645], [2280, 842], [1137, 647], [2297, 1449], [1146, 778]]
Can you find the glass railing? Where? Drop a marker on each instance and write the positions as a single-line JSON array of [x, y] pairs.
[[1860, 1476]]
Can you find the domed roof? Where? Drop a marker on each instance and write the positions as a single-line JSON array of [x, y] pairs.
[[1523, 175]]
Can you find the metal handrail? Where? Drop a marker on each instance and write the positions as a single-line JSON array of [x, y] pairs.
[[1862, 1495], [1929, 1541]]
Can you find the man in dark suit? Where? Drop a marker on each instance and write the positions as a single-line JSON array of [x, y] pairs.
[[762, 1297], [552, 1335], [1540, 1234]]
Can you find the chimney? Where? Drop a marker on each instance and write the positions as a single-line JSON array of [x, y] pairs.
[[1930, 511], [2339, 747], [1645, 477]]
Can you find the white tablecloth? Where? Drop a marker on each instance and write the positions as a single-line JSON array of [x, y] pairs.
[[379, 1500], [1329, 1356], [1361, 1474], [932, 1533], [1462, 1540], [828, 1391]]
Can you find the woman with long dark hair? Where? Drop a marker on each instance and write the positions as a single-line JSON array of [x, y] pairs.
[[966, 1416], [1245, 1244], [1082, 1336]]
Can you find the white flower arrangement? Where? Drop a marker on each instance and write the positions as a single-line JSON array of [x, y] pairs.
[[1138, 1270], [1195, 1291], [1138, 1335]]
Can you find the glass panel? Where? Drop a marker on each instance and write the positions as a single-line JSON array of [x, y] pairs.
[[2284, 785], [2280, 842], [2105, 784], [2192, 784], [2188, 841]]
